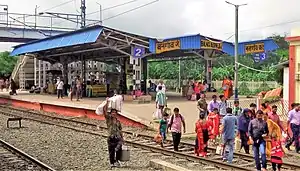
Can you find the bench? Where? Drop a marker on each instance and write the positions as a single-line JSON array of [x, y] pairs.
[[14, 119]]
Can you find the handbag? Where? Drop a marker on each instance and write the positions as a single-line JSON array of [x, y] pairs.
[[125, 154], [238, 144]]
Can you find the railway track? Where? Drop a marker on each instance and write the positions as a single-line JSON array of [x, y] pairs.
[[186, 150], [12, 158]]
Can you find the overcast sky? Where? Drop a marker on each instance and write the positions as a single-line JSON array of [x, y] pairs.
[[168, 18]]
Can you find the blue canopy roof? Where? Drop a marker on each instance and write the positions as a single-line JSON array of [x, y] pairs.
[[79, 37], [198, 41]]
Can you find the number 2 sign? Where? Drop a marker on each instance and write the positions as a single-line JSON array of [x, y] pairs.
[[138, 52]]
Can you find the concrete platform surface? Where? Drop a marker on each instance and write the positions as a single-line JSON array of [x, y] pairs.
[[142, 113], [166, 166]]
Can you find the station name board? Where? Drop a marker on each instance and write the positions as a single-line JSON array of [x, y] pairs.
[[254, 48], [207, 44], [167, 46]]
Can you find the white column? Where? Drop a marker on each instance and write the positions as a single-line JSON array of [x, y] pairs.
[[34, 61], [39, 67], [44, 74]]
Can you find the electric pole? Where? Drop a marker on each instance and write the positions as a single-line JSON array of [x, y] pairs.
[[236, 44], [83, 14]]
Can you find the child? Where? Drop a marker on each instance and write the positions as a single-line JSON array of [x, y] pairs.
[[163, 124], [276, 153]]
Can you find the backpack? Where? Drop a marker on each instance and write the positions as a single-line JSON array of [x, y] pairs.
[[172, 119]]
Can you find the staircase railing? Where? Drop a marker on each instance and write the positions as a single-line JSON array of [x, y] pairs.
[[21, 62]]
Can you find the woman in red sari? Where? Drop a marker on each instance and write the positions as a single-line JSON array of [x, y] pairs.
[[227, 87], [214, 119], [202, 129]]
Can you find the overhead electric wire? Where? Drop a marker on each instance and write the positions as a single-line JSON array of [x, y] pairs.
[[75, 4], [254, 68], [267, 26], [125, 12], [128, 11], [115, 6], [48, 8], [64, 3]]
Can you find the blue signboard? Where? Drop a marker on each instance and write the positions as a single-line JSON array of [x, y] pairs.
[[258, 57], [138, 52]]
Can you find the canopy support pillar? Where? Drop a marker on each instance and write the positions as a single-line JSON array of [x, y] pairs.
[[144, 74], [208, 54], [64, 62]]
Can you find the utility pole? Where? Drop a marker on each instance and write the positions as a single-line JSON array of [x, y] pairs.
[[100, 13], [35, 16], [236, 44], [179, 75], [83, 14]]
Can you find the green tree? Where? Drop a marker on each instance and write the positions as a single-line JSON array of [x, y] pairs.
[[7, 64]]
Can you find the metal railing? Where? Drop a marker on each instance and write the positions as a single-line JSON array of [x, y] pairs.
[[42, 21], [17, 67]]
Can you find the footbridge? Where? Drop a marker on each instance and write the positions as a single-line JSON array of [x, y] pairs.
[[22, 28]]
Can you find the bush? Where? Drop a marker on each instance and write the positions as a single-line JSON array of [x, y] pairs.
[[264, 87], [244, 90]]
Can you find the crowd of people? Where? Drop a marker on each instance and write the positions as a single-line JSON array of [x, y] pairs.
[[76, 88], [256, 126], [259, 126], [196, 88]]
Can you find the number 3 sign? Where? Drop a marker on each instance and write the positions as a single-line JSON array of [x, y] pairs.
[[138, 52]]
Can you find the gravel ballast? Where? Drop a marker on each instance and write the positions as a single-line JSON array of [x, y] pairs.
[[65, 149]]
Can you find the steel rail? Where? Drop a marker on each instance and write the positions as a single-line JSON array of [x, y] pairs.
[[219, 164], [243, 155], [25, 155]]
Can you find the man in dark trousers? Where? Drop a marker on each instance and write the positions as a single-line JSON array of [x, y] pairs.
[[258, 130], [115, 137], [175, 124]]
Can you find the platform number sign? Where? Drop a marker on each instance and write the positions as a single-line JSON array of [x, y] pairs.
[[138, 52], [259, 57]]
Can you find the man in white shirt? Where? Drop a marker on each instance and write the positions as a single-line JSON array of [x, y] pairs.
[[161, 83], [60, 87]]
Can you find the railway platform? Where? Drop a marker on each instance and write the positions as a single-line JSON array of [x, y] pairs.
[[139, 115]]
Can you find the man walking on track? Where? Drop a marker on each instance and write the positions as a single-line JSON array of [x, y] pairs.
[[175, 124], [115, 137], [258, 129], [229, 123]]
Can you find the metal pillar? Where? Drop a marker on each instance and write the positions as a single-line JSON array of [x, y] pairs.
[[236, 96], [124, 91], [39, 69], [83, 7], [64, 63], [145, 73], [83, 69], [44, 74], [179, 75], [209, 73], [35, 70]]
